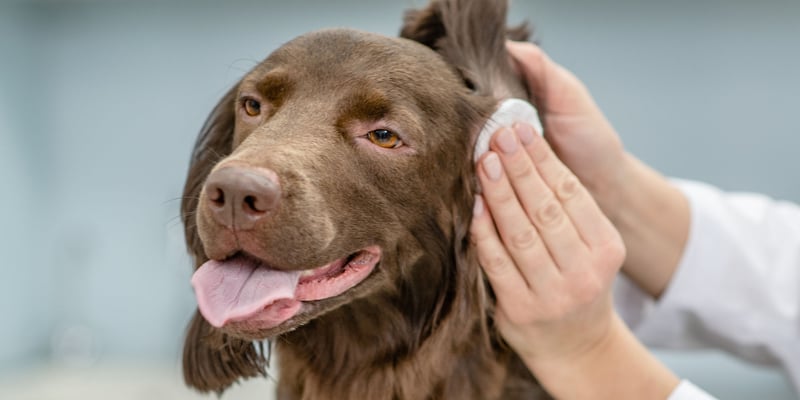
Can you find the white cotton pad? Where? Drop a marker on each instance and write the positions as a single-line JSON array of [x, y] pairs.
[[509, 111]]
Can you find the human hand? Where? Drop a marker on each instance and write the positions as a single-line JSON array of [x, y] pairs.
[[574, 126], [548, 251], [652, 215]]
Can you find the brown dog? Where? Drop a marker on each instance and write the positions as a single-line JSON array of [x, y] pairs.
[[327, 209]]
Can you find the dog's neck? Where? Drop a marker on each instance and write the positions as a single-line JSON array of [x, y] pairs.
[[407, 343], [377, 361]]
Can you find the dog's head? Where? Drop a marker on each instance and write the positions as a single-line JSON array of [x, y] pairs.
[[336, 175]]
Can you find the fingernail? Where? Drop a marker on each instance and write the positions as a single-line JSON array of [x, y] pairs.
[[507, 141], [525, 133], [477, 209], [491, 164]]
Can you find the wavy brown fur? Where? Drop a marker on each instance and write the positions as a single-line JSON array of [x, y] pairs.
[[420, 328], [471, 36]]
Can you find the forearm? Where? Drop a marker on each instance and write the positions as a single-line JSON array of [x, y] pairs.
[[619, 367], [653, 218]]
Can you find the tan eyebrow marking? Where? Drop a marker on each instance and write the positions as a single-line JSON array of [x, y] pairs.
[[275, 87], [362, 105]]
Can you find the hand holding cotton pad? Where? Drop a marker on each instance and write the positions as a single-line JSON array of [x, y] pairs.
[[509, 111]]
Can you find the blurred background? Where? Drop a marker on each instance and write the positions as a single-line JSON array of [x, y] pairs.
[[100, 102]]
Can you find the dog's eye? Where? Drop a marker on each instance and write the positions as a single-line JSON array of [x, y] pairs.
[[384, 138], [252, 107]]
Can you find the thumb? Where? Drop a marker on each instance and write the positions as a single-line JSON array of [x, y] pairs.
[[554, 89]]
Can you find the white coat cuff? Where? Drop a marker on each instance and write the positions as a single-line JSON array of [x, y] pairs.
[[687, 391]]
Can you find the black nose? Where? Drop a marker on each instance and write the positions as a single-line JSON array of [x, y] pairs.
[[241, 197]]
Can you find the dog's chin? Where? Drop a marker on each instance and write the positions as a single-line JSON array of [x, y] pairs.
[[319, 291]]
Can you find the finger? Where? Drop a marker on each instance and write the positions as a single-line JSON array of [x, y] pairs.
[[540, 204], [590, 223], [506, 280], [516, 231]]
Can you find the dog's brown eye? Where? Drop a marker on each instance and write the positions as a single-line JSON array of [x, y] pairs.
[[252, 107], [384, 138]]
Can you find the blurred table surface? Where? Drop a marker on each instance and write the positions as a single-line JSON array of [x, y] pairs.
[[721, 375]]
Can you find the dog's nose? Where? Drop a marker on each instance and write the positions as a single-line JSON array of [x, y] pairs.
[[240, 197]]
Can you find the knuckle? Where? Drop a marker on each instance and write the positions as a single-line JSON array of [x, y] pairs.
[[568, 187], [503, 197], [524, 240], [588, 290], [494, 263], [549, 213], [524, 170], [616, 251], [592, 286], [613, 252], [540, 152]]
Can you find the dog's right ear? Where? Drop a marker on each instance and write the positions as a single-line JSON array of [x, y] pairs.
[[470, 35], [213, 361], [213, 144]]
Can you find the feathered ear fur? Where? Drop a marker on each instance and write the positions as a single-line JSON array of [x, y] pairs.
[[471, 36], [212, 361]]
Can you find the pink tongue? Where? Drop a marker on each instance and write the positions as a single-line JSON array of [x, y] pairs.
[[238, 289]]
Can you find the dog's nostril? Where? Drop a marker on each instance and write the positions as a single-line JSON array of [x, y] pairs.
[[240, 197], [217, 197], [251, 202]]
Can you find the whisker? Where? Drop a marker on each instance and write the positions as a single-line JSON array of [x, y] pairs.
[[232, 66], [177, 220], [180, 198], [192, 225], [216, 154]]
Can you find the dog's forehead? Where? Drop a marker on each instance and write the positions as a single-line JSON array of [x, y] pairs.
[[347, 54]]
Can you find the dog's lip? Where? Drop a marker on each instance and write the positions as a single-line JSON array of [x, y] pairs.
[[326, 271], [314, 288], [358, 265]]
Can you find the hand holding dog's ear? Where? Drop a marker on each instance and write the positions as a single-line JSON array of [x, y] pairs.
[[551, 256], [625, 188]]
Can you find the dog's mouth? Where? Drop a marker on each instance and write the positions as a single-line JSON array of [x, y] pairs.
[[245, 290]]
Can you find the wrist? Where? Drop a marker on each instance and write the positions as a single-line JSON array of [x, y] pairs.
[[600, 370], [617, 193], [576, 358], [653, 219]]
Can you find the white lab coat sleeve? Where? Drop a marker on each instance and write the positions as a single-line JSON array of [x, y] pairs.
[[688, 391], [737, 287]]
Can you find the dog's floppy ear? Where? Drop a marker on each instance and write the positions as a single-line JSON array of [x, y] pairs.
[[471, 35], [212, 361]]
